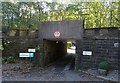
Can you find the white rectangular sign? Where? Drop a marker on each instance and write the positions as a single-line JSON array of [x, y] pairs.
[[23, 54], [26, 54], [31, 50], [87, 52], [116, 44]]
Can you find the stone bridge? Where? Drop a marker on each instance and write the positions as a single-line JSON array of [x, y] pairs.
[[103, 43]]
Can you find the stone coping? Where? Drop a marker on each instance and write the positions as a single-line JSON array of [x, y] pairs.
[[101, 77]]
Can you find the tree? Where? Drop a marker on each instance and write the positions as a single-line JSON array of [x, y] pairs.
[[26, 15]]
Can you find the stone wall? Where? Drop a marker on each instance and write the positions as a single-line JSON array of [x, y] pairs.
[[53, 50], [102, 33], [17, 46], [17, 33], [20, 41], [101, 42], [72, 29]]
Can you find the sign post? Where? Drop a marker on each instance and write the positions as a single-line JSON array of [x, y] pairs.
[[30, 55], [26, 55]]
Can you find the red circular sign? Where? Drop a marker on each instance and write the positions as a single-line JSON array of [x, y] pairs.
[[57, 34]]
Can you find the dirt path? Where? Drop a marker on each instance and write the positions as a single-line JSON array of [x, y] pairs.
[[60, 71]]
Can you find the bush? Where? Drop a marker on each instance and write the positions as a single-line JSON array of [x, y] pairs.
[[104, 65], [10, 59], [69, 45]]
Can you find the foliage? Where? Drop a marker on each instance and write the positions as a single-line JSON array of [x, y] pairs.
[[1, 47], [10, 59], [104, 65], [37, 48], [26, 15], [69, 45], [5, 43]]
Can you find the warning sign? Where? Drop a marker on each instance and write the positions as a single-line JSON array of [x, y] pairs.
[[57, 34]]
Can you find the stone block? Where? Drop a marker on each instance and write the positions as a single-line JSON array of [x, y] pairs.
[[102, 72], [11, 33]]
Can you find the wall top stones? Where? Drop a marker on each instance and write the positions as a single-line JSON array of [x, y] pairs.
[[16, 33], [102, 33], [95, 33]]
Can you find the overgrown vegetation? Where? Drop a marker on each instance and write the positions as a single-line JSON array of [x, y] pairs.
[[1, 47], [104, 65], [10, 59], [37, 48], [69, 45], [26, 15]]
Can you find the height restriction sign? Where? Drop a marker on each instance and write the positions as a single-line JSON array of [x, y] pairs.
[[57, 34]]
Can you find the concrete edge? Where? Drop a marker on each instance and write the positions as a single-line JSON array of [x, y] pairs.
[[100, 77]]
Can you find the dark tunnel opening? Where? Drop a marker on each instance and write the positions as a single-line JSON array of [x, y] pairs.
[[56, 51]]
